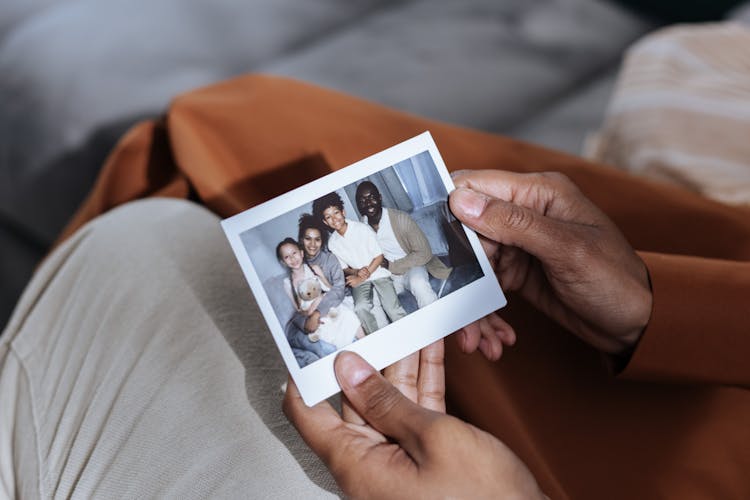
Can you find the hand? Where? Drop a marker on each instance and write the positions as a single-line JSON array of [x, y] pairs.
[[388, 445], [354, 281], [363, 273], [550, 243], [489, 334], [312, 322]]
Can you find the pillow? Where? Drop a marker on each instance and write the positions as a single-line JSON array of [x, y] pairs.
[[681, 111]]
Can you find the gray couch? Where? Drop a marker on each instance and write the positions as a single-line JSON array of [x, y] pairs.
[[75, 74]]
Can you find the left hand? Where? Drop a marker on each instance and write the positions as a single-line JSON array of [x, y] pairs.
[[363, 273], [393, 439]]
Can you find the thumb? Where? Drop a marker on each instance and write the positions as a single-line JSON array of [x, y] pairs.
[[507, 223], [382, 405]]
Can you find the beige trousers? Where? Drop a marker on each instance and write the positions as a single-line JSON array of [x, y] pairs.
[[137, 365]]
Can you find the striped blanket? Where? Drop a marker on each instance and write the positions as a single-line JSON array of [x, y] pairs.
[[681, 111]]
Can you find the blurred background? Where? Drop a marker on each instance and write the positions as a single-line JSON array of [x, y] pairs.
[[76, 74]]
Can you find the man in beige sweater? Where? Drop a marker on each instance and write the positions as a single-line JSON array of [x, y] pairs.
[[407, 252]]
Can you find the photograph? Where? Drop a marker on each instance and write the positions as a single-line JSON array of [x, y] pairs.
[[371, 250], [346, 264]]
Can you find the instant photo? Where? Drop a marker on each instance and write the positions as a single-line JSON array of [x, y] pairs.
[[368, 259]]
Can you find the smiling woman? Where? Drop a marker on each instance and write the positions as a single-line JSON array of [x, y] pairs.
[[312, 235]]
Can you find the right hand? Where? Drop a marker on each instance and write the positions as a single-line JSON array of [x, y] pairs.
[[547, 241]]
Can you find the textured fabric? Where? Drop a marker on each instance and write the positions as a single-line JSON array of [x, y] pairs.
[[584, 433], [681, 111], [417, 281], [331, 268], [337, 328], [392, 250], [121, 371], [411, 238], [357, 248], [365, 306]]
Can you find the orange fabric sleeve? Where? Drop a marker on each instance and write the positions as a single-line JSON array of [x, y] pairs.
[[700, 325]]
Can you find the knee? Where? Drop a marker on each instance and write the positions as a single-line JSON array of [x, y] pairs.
[[147, 236], [152, 222], [155, 214]]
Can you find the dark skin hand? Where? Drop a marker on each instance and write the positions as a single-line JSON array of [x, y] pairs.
[[548, 242], [361, 275], [312, 322], [394, 440]]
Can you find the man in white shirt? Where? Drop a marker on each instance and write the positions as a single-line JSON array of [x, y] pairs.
[[407, 251], [357, 248]]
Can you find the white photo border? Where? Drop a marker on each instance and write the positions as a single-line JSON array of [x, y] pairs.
[[389, 344]]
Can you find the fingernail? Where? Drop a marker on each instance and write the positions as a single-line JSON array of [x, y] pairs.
[[469, 202], [352, 369]]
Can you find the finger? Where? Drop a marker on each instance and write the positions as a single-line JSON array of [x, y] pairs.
[[508, 223], [512, 267], [490, 248], [501, 327], [496, 183], [551, 193], [403, 375], [469, 340], [381, 404], [316, 424], [490, 344], [431, 383], [349, 414], [491, 350]]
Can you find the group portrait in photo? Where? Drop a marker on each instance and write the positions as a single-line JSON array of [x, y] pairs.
[[362, 257]]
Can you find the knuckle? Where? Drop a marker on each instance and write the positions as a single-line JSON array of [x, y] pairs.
[[380, 401], [514, 217], [434, 358], [558, 177], [404, 379], [560, 182], [433, 394]]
